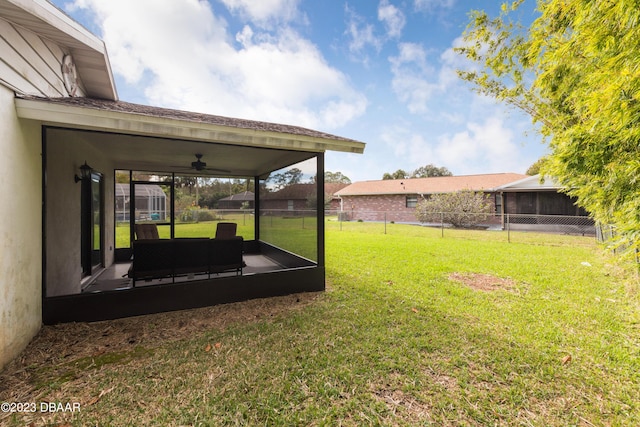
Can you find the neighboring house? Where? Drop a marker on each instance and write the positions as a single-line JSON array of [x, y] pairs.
[[63, 133], [300, 197], [396, 200], [244, 200]]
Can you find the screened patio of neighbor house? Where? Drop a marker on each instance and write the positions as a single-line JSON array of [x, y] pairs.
[[109, 166]]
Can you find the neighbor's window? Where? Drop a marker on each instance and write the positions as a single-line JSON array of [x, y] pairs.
[[412, 201], [498, 203]]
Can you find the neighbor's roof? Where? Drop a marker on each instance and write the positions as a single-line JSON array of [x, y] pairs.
[[137, 119], [433, 185], [246, 196]]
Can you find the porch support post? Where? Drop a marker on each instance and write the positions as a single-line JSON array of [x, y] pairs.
[[503, 208], [132, 210], [320, 207], [256, 207]]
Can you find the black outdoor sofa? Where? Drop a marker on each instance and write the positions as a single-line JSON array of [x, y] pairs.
[[160, 258]]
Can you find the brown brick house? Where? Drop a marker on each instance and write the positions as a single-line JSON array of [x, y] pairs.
[[396, 200], [297, 197]]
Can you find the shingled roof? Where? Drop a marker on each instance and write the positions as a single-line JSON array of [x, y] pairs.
[[432, 185], [188, 116]]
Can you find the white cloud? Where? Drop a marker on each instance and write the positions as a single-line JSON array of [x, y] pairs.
[[361, 36], [393, 19], [405, 143], [411, 73], [430, 5], [184, 57], [419, 82], [483, 147], [264, 12]]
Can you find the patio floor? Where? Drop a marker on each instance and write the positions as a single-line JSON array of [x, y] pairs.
[[114, 278]]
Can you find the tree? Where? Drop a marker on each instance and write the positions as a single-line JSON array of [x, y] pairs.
[[336, 177], [422, 172], [574, 70], [429, 171], [535, 168], [399, 174], [285, 179], [463, 208]]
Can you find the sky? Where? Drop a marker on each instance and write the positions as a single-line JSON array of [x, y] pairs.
[[377, 71]]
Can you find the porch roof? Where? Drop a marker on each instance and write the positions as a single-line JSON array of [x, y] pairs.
[[234, 147], [532, 183]]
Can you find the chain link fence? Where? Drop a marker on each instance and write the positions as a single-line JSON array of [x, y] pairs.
[[609, 235], [511, 224], [559, 224]]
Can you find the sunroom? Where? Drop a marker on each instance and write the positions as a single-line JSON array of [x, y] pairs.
[[111, 166]]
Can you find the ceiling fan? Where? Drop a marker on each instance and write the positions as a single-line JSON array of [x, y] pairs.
[[200, 166]]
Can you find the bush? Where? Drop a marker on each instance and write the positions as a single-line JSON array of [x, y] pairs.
[[461, 209], [198, 215], [207, 215]]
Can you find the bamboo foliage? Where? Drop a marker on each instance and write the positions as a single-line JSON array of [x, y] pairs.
[[575, 71]]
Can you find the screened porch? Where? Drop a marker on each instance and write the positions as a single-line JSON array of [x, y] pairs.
[[96, 156]]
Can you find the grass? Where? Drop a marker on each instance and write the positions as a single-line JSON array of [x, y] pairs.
[[295, 234], [192, 229], [396, 342]]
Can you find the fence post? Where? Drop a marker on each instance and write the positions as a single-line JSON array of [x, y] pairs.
[[508, 229], [441, 224]]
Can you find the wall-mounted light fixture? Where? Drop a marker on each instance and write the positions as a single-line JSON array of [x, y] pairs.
[[85, 172]]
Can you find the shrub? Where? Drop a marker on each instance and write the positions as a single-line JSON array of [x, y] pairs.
[[197, 215], [462, 209], [187, 215], [206, 215]]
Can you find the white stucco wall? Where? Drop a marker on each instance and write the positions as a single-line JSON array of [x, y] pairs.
[[20, 229], [65, 153]]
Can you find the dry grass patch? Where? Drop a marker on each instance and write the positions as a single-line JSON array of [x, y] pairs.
[[483, 282], [69, 350]]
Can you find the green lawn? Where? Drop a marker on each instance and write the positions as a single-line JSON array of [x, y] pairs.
[[192, 229], [296, 234], [395, 341]]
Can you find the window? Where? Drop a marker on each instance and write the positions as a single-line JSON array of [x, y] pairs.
[[412, 201], [498, 203]]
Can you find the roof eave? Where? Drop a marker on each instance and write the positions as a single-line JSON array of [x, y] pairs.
[[70, 116]]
